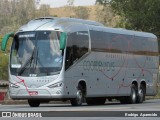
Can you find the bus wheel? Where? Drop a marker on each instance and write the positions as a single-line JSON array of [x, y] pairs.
[[79, 97], [140, 96], [34, 103], [133, 96]]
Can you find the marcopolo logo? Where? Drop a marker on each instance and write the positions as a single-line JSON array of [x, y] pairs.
[[98, 66]]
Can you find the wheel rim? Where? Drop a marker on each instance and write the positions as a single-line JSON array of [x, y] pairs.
[[133, 95], [141, 94], [79, 97]]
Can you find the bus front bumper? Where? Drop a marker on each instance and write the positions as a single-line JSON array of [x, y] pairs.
[[38, 94]]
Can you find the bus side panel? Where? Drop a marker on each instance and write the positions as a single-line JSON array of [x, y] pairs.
[[107, 74]]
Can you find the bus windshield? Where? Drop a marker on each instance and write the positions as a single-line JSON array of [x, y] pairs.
[[36, 53]]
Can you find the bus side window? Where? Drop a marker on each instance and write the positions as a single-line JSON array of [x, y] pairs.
[[77, 46], [69, 52], [80, 44]]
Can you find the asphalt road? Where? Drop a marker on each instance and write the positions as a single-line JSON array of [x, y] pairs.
[[111, 110]]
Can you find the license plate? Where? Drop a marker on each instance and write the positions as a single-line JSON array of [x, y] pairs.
[[33, 93]]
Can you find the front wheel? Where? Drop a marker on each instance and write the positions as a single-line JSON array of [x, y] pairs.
[[33, 103], [79, 97]]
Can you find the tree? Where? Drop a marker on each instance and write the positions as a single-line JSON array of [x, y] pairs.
[[4, 58], [105, 13], [140, 15], [103, 2], [44, 10], [13, 14], [70, 2]]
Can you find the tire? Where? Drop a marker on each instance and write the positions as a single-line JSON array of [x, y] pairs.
[[79, 97], [141, 95], [33, 103], [95, 101], [133, 95]]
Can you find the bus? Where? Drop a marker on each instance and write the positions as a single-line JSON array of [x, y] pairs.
[[81, 61]]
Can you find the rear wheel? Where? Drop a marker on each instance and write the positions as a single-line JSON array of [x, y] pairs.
[[79, 97], [133, 96], [141, 95], [34, 103]]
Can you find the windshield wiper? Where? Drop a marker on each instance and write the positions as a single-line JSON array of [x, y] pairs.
[[37, 60], [28, 61]]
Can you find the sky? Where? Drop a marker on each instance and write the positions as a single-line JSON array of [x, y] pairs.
[[60, 3]]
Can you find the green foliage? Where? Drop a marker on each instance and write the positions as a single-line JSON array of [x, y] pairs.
[[105, 15], [4, 57], [102, 2], [140, 15], [13, 14]]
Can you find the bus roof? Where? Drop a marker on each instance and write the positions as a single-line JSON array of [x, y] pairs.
[[55, 23], [51, 22], [122, 31]]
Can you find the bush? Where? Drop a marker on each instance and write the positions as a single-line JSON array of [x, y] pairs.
[[4, 57]]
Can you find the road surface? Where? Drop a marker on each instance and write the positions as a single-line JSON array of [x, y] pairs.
[[115, 110]]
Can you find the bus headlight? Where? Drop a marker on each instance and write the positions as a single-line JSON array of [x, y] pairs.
[[59, 84], [13, 85]]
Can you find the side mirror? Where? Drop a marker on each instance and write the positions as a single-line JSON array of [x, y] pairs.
[[63, 38], [5, 40]]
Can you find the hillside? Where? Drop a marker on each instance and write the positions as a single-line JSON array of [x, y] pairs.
[[68, 11], [95, 13]]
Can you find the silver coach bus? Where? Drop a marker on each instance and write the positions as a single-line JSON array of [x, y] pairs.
[[81, 61]]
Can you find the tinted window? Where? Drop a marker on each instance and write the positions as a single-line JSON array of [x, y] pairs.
[[143, 46], [77, 46], [109, 42], [99, 41], [119, 43]]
